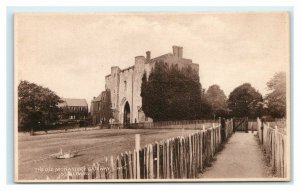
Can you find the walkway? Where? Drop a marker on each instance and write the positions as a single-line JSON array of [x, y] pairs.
[[241, 158]]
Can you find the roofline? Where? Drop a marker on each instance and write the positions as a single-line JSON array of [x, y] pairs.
[[128, 68]]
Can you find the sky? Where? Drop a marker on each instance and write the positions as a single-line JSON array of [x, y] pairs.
[[72, 53]]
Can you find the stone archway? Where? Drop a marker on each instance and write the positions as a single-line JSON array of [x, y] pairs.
[[126, 118]]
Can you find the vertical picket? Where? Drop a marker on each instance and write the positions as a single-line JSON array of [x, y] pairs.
[[154, 147], [137, 148], [201, 150], [157, 159], [151, 174], [130, 168], [134, 164], [161, 160], [171, 158], [145, 163], [141, 163], [168, 159]]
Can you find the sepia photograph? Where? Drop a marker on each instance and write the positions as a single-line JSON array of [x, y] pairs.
[[152, 96]]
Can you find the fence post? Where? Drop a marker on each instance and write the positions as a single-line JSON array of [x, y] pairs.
[[197, 152], [117, 168], [171, 157], [123, 166], [154, 150], [145, 162], [130, 166], [276, 150], [190, 156], [112, 167], [185, 155], [168, 158], [134, 164], [126, 166], [201, 150], [147, 159], [157, 159], [137, 148], [93, 171], [151, 161]]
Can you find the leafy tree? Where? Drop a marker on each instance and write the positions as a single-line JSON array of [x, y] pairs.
[[217, 100], [171, 93], [205, 106], [36, 105], [276, 99], [244, 101], [106, 112]]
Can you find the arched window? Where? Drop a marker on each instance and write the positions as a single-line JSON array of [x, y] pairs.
[[125, 86]]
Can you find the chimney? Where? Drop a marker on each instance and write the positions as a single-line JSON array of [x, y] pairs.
[[177, 51], [148, 55]]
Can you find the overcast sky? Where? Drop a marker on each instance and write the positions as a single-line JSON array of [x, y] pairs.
[[72, 53]]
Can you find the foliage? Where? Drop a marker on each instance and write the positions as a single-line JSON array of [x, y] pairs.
[[216, 98], [171, 93], [36, 105], [276, 99], [245, 101], [205, 107]]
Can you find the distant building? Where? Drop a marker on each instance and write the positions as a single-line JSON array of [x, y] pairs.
[[73, 109], [125, 85], [96, 105]]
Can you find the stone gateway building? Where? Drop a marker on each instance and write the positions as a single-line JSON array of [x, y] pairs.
[[125, 85]]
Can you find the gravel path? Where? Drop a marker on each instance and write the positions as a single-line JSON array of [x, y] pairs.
[[241, 158]]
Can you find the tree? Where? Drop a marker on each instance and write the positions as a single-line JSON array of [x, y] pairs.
[[106, 112], [217, 100], [36, 105], [244, 101], [205, 106], [171, 93], [276, 99]]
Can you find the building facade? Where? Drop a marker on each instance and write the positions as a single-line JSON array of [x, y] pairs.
[[76, 109], [96, 106], [125, 84]]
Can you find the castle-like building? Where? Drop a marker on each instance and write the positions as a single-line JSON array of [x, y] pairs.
[[125, 85]]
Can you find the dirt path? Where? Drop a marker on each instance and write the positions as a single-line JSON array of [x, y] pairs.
[[241, 158]]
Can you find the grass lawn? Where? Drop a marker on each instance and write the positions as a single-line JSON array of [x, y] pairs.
[[96, 144]]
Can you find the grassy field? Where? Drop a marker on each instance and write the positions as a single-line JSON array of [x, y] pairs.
[[34, 163]]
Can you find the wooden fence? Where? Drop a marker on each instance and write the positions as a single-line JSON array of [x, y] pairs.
[[275, 144], [241, 124], [252, 126], [187, 124], [181, 157]]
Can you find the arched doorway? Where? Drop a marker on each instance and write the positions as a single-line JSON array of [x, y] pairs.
[[126, 118]]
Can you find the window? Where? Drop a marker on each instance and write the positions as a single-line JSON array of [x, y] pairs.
[[125, 85]]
